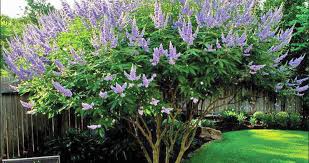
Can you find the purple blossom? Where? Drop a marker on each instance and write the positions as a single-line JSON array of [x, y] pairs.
[[154, 102], [265, 33], [179, 23], [159, 20], [186, 33], [172, 55], [109, 77], [59, 65], [62, 90], [186, 10], [285, 36], [166, 110], [300, 81], [157, 53], [302, 89], [241, 41], [278, 87], [248, 49], [280, 58], [67, 9], [93, 127], [255, 68], [26, 105], [107, 35], [87, 106], [146, 81], [210, 48], [218, 44], [132, 76], [119, 89], [296, 62], [103, 95]]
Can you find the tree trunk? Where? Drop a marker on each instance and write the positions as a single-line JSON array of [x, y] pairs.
[[156, 155], [180, 155]]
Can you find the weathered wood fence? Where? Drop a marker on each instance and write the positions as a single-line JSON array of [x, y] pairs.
[[22, 134]]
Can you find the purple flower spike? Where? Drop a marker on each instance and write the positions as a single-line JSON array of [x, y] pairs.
[[62, 90], [282, 57], [157, 53], [103, 95], [300, 81], [109, 77], [26, 105], [302, 89], [248, 49], [159, 20], [154, 102], [132, 76], [296, 62], [166, 110], [59, 65], [172, 55], [255, 68], [186, 33], [93, 127], [119, 89], [146, 81], [87, 106], [186, 9]]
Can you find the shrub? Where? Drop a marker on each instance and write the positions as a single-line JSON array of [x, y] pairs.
[[241, 117], [281, 119], [253, 121], [230, 116], [207, 123], [268, 120], [295, 120], [259, 115]]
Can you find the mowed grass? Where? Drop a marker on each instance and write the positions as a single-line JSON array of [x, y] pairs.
[[255, 146]]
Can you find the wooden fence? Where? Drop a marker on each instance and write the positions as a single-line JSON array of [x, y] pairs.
[[22, 134]]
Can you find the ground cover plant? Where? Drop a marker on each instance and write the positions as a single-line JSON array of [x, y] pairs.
[[256, 146], [149, 64]]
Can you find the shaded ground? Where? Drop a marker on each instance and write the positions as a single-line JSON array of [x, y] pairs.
[[255, 146]]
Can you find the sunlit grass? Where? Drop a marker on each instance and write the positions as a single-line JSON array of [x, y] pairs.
[[256, 146]]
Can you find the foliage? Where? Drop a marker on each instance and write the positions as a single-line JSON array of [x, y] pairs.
[[259, 115], [86, 146], [9, 27], [246, 146], [281, 119], [268, 120], [102, 64], [207, 123], [295, 120], [253, 121], [37, 8], [241, 117]]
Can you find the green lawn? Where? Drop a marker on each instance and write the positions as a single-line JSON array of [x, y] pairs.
[[255, 146]]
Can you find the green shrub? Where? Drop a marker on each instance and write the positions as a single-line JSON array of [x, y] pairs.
[[253, 121], [207, 123], [258, 115], [281, 118], [230, 116], [241, 117], [295, 120], [268, 120]]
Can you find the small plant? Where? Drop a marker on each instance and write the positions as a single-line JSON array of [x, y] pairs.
[[253, 121], [295, 120], [259, 115], [268, 120], [230, 116], [281, 119], [241, 117], [207, 123]]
